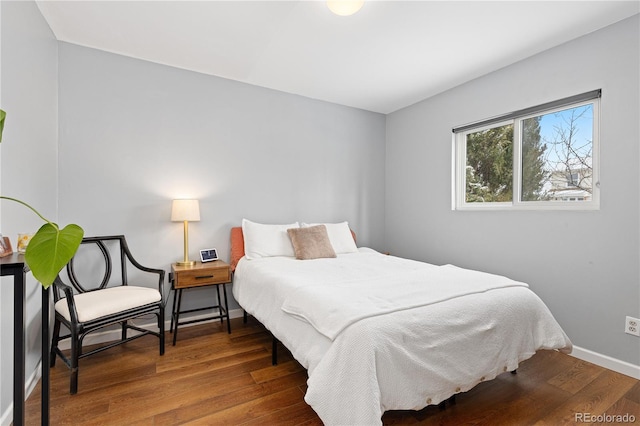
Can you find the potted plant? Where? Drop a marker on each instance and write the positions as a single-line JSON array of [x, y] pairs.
[[50, 248]]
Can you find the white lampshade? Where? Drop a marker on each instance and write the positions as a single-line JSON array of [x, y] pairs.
[[182, 210], [344, 7]]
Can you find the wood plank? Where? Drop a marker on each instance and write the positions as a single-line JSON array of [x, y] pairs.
[[275, 371], [232, 397], [575, 378], [634, 393], [624, 408], [293, 415], [253, 409], [603, 392]]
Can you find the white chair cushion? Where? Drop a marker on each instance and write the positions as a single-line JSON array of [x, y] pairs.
[[100, 303]]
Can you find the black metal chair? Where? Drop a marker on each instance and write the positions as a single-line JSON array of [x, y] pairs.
[[103, 302]]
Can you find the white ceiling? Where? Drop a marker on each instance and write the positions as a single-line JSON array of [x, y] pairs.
[[389, 55]]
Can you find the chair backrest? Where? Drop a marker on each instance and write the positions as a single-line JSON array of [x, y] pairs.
[[99, 262]]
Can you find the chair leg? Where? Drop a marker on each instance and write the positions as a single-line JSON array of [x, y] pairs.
[[161, 329], [55, 337], [123, 324], [73, 360]]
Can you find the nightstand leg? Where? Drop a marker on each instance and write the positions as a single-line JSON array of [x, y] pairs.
[[173, 310], [177, 314], [219, 304], [226, 308]]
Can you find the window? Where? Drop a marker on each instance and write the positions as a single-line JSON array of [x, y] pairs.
[[545, 157], [573, 179]]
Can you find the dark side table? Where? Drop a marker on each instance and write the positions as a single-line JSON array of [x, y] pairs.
[[14, 265]]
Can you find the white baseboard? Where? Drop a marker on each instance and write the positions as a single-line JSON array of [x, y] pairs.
[[7, 417], [608, 362], [33, 379]]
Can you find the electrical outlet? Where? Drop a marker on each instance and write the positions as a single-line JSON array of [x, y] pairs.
[[632, 326]]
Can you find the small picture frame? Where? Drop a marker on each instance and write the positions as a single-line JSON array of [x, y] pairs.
[[5, 246], [208, 255]]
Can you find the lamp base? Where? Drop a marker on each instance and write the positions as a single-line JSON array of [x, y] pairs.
[[187, 263]]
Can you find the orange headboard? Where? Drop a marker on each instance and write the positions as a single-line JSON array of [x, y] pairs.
[[237, 245]]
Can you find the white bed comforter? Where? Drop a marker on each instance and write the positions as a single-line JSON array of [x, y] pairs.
[[373, 341]]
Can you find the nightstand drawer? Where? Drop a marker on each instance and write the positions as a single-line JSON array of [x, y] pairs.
[[199, 277]]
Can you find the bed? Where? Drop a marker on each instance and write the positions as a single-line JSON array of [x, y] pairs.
[[377, 332]]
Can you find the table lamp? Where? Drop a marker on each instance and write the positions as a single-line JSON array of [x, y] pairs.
[[185, 211]]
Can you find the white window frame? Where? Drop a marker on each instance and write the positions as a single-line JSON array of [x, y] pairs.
[[460, 161]]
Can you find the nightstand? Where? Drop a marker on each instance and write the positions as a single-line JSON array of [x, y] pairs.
[[216, 273]]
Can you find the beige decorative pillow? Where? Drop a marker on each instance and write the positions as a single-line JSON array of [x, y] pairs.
[[311, 243]]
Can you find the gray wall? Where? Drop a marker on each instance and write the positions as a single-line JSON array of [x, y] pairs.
[[584, 265], [28, 166], [134, 135]]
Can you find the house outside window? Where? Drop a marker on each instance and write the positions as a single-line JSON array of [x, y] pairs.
[[571, 186], [544, 157]]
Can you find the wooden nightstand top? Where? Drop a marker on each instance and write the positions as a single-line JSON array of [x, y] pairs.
[[199, 265], [201, 274]]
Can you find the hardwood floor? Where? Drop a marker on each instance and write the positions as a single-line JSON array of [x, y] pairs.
[[213, 378]]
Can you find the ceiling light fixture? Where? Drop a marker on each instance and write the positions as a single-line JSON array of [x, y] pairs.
[[344, 7]]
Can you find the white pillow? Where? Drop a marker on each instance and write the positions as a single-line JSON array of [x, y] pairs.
[[339, 235], [266, 240]]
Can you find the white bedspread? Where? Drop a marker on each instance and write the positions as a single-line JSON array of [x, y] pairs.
[[406, 358], [330, 307]]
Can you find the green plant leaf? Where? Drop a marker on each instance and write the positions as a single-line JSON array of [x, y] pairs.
[[50, 249], [2, 117]]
